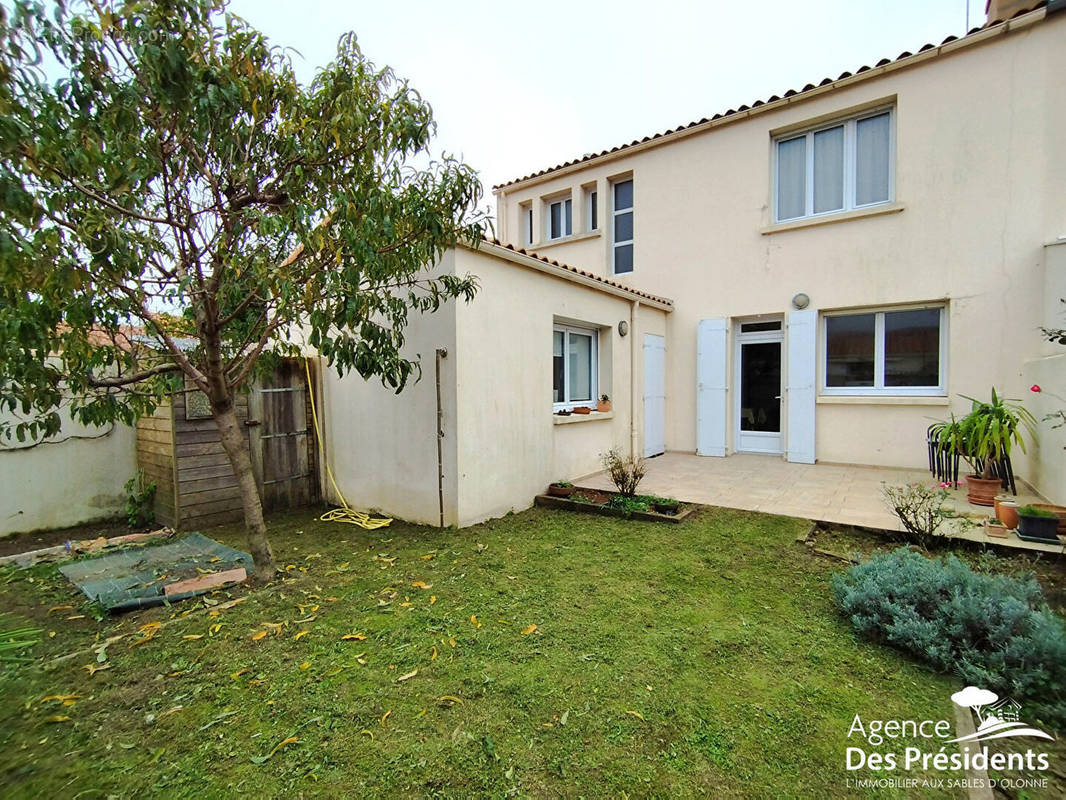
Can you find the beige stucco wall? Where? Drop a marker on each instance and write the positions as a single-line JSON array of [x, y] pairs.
[[979, 174], [77, 478], [382, 446], [509, 446]]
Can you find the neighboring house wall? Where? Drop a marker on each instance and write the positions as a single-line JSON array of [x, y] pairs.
[[76, 477], [978, 174]]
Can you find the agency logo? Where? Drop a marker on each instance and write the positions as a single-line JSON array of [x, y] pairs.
[[996, 718]]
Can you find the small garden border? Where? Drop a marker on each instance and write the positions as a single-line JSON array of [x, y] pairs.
[[684, 510]]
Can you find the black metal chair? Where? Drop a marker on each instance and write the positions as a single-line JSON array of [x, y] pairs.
[[945, 466]]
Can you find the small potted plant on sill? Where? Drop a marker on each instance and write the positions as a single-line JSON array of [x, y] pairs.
[[563, 412], [560, 489], [604, 404], [1038, 525], [582, 410], [995, 528], [985, 436]]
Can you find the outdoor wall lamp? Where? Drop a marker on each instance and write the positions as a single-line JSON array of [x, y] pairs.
[[623, 328]]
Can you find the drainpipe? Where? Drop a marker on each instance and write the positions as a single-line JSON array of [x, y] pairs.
[[634, 434], [441, 353]]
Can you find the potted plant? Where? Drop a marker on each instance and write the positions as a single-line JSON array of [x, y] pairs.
[[604, 404], [563, 412], [1059, 511], [560, 489], [996, 529], [666, 505], [984, 438], [582, 410], [1037, 525], [1007, 512]]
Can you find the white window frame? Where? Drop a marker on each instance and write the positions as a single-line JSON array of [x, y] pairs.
[[561, 200], [614, 215], [592, 209], [879, 388], [850, 168], [594, 365]]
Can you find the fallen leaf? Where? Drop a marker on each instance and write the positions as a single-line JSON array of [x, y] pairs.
[[636, 714], [358, 637], [448, 698], [433, 655], [429, 556], [215, 628], [432, 599], [278, 746], [473, 618], [528, 629], [422, 585], [365, 732], [239, 672], [408, 676], [305, 665], [62, 698], [58, 718], [261, 635], [300, 635], [384, 717], [59, 608], [93, 668], [192, 637]]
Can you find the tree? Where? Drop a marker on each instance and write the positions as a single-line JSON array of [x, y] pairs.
[[177, 177]]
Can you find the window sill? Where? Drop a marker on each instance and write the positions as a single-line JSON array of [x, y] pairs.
[[883, 400], [572, 418], [574, 237], [829, 219]]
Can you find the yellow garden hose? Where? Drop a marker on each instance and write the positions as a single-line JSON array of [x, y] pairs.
[[347, 513]]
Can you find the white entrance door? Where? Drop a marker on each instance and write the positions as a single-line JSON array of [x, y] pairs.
[[654, 394], [758, 381]]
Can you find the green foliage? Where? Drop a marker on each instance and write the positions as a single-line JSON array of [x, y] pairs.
[[625, 472], [169, 158], [994, 631], [563, 484], [14, 642], [920, 509], [988, 432], [630, 504], [140, 501], [1033, 511]]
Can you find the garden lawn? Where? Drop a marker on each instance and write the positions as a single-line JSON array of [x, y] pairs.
[[548, 653]]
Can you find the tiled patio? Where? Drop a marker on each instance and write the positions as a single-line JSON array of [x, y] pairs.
[[837, 493]]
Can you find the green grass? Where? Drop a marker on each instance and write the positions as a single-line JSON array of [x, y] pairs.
[[668, 660]]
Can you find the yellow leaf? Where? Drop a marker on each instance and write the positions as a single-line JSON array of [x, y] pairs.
[[283, 742], [408, 676], [258, 636], [94, 668], [215, 628], [433, 655], [528, 629], [636, 714], [239, 672], [150, 626], [305, 665], [406, 605], [451, 641], [448, 698], [58, 718], [62, 698], [429, 556], [59, 608], [384, 717], [365, 732], [432, 599], [69, 702], [422, 585], [192, 637], [473, 618], [300, 635]]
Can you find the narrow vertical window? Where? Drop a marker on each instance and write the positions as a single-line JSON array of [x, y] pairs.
[[622, 227], [527, 213], [593, 211]]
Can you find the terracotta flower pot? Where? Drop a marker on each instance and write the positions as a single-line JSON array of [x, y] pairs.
[[603, 406], [582, 410], [1059, 510], [996, 529], [982, 492], [555, 490], [1007, 512]]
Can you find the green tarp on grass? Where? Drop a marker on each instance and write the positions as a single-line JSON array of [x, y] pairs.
[[134, 578]]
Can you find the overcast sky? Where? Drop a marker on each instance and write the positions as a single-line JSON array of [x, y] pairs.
[[517, 87]]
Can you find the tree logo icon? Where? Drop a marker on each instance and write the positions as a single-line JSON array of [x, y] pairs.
[[996, 719]]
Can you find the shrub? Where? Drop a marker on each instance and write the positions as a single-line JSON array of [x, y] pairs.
[[920, 509], [625, 473], [994, 631], [629, 504], [140, 501]]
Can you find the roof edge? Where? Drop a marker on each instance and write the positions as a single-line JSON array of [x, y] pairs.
[[906, 59], [524, 258]]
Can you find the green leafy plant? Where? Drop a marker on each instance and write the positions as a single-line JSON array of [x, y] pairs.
[[625, 472], [1033, 511], [14, 642], [920, 508], [985, 435], [629, 504], [140, 501], [563, 484], [994, 631]]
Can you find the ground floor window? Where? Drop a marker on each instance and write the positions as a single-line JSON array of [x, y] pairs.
[[894, 352], [573, 366]]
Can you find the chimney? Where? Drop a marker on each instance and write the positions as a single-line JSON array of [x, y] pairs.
[[1002, 10]]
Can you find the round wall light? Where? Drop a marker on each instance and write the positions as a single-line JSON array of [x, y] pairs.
[[801, 301], [623, 328]]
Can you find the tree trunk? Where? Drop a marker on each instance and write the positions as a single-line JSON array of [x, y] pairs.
[[235, 445]]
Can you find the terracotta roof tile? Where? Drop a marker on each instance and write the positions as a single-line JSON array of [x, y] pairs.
[[583, 273], [772, 99]]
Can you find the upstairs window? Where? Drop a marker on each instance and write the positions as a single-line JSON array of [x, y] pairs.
[[837, 167], [886, 352], [560, 220], [526, 213], [573, 367], [592, 209], [622, 227]]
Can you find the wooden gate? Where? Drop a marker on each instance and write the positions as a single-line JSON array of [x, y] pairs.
[[281, 435]]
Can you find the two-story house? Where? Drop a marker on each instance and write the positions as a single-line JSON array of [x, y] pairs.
[[817, 276]]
